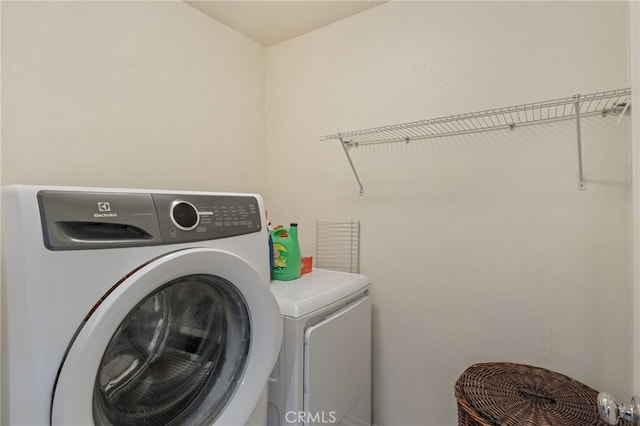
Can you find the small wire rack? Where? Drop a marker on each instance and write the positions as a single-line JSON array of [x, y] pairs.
[[338, 246]]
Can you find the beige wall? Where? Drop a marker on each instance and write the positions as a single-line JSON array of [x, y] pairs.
[[634, 36], [129, 94], [480, 247]]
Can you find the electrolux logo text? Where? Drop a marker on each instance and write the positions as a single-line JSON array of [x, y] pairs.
[[104, 206], [319, 417]]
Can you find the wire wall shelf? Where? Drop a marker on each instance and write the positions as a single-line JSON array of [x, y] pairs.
[[609, 103]]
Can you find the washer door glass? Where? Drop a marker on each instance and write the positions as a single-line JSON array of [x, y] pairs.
[[178, 354]]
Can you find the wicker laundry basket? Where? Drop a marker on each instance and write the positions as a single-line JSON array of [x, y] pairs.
[[507, 394]]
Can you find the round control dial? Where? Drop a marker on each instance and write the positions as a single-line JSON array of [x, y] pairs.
[[184, 215]]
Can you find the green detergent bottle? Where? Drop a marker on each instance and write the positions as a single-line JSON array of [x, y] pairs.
[[286, 253]]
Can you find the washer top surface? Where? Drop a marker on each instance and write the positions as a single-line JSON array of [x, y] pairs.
[[315, 290]]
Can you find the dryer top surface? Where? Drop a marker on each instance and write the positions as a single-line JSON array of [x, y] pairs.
[[315, 290]]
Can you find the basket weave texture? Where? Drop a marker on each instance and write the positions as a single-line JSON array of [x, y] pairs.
[[507, 394]]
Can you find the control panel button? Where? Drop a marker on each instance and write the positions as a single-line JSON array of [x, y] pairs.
[[184, 215]]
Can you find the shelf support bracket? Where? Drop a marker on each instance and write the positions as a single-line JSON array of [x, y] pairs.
[[346, 152], [582, 185]]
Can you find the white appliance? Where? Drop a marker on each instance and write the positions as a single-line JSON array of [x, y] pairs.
[[323, 373], [125, 307]]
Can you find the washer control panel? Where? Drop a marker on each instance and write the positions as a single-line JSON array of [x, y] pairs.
[[77, 220], [187, 218]]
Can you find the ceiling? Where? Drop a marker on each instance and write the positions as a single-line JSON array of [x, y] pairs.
[[271, 22]]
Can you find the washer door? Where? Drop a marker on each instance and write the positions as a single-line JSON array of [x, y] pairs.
[[189, 338]]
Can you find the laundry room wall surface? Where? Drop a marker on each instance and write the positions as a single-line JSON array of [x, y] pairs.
[[129, 94], [479, 247]]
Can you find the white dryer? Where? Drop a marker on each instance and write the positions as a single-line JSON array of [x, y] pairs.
[[323, 373], [135, 307]]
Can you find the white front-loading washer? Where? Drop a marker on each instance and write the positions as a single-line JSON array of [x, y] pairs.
[[135, 307], [323, 373]]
